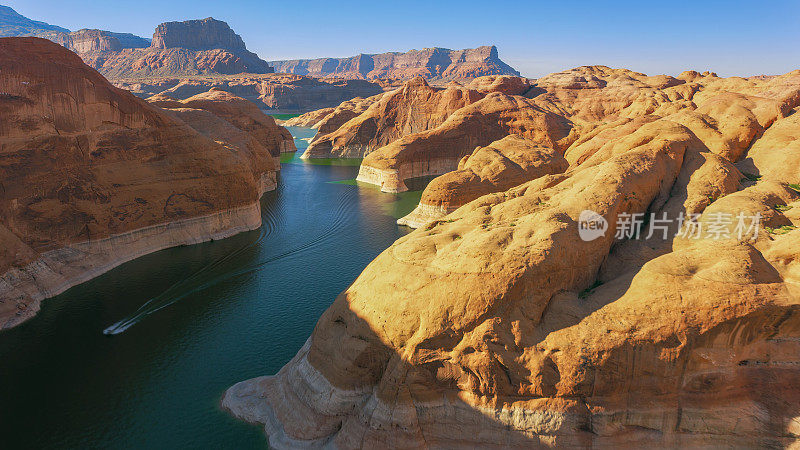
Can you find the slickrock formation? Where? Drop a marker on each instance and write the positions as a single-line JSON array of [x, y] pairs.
[[309, 119], [328, 120], [582, 108], [413, 108], [454, 119], [499, 166], [430, 63], [274, 91], [91, 176], [241, 113], [504, 84], [498, 326], [438, 150]]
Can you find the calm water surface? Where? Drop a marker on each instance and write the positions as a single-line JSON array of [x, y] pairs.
[[191, 321]]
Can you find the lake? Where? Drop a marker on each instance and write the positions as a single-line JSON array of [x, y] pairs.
[[186, 323]]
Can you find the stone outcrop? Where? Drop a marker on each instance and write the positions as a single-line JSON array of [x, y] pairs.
[[91, 176], [499, 166], [150, 62], [414, 107], [240, 113], [273, 91], [430, 63], [328, 120], [86, 41], [436, 151], [309, 119], [504, 84], [205, 34], [576, 110], [499, 326], [193, 47]]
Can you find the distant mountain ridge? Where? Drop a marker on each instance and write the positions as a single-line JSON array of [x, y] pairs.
[[430, 63], [14, 24]]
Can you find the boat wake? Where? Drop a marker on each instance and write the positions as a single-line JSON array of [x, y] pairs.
[[202, 279]]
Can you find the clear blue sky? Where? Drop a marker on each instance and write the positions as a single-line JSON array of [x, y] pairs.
[[536, 37]]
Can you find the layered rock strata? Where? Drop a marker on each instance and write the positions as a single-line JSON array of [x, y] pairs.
[[91, 176], [430, 63], [192, 47]]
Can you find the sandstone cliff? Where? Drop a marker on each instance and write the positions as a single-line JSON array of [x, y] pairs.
[[395, 131], [430, 63], [205, 34], [415, 107], [99, 41], [193, 47], [498, 326], [91, 176]]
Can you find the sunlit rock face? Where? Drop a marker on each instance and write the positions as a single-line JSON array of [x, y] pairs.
[[430, 63], [91, 176], [499, 166], [498, 326], [205, 34], [192, 47]]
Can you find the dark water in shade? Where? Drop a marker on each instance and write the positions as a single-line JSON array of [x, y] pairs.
[[192, 321]]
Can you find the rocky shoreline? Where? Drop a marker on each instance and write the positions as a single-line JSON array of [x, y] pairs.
[[393, 180], [103, 178], [57, 270]]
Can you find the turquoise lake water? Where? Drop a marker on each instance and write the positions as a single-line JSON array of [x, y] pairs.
[[192, 321]]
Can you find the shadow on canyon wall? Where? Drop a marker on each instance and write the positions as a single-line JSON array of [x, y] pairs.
[[730, 385]]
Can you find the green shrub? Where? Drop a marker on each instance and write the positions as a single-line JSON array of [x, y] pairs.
[[750, 176]]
